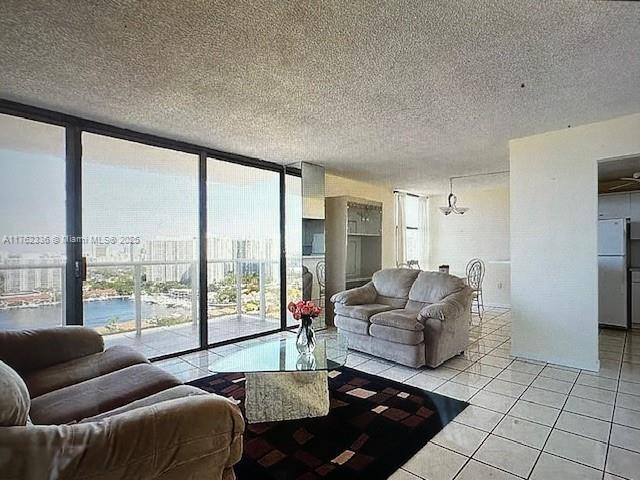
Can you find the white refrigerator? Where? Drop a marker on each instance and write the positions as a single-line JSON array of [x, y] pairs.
[[613, 272]]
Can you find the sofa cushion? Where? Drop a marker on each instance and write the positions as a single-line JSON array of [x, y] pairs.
[[391, 302], [100, 394], [415, 306], [393, 285], [402, 319], [356, 296], [75, 371], [396, 335], [181, 391], [353, 325], [361, 312], [14, 398], [29, 350], [394, 282], [431, 287]]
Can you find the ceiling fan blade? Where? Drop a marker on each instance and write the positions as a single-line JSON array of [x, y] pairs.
[[630, 179], [617, 187]]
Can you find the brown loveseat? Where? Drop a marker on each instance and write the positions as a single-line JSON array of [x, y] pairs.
[[409, 316], [69, 409]]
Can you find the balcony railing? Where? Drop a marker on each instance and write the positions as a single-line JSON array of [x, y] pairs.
[[237, 266], [42, 266]]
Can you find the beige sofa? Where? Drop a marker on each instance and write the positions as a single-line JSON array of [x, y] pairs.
[[69, 409], [408, 316]]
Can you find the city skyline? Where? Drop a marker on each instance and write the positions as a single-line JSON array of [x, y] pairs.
[[158, 250]]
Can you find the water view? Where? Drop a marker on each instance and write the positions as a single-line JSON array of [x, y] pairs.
[[97, 313]]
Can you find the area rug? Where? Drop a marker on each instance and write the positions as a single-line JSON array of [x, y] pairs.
[[374, 426]]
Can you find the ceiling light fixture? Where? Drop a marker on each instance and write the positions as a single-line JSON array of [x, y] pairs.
[[452, 199]]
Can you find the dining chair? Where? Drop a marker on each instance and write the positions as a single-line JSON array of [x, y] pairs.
[[413, 264], [475, 275], [320, 271]]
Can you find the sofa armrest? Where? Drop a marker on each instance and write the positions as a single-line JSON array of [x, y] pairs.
[[451, 306], [196, 437], [28, 350], [356, 296]]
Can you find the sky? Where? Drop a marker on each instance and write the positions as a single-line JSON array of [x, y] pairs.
[[134, 198]]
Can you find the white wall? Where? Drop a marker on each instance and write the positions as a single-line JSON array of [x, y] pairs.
[[336, 186], [554, 269], [482, 232]]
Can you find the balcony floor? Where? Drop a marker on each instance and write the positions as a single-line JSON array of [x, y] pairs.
[[154, 342]]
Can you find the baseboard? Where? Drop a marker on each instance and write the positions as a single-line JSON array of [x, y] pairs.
[[557, 361], [498, 305]]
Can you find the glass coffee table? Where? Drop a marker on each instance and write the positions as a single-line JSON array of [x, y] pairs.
[[282, 384]]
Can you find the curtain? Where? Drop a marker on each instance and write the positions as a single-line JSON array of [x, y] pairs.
[[401, 228], [423, 233]]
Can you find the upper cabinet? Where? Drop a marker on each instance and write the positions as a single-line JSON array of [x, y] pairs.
[[614, 206], [312, 191], [621, 205], [634, 207]]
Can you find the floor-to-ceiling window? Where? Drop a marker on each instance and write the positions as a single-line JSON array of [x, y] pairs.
[[32, 223], [105, 228], [243, 250], [140, 240]]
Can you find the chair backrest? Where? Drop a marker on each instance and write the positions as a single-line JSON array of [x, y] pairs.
[[412, 264], [469, 264], [432, 287], [393, 285], [475, 273], [320, 269]]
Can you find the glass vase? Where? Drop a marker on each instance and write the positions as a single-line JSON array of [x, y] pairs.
[[306, 338]]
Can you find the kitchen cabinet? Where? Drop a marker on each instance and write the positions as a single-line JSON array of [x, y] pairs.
[[614, 206], [312, 191], [634, 214], [635, 297]]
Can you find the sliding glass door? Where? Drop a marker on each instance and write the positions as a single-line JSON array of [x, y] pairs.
[[140, 243], [32, 224], [243, 250], [100, 228]]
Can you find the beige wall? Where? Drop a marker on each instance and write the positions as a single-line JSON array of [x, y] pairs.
[[336, 186], [554, 265], [482, 232]]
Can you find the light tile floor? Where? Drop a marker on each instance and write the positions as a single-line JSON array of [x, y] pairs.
[[157, 341], [527, 419]]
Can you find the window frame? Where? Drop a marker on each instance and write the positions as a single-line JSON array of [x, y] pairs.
[[411, 228], [74, 127]]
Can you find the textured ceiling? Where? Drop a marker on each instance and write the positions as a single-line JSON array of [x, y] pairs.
[[405, 93]]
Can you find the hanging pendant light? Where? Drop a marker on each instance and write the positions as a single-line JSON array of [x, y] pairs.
[[451, 200]]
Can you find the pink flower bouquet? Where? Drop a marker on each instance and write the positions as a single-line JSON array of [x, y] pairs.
[[304, 308]]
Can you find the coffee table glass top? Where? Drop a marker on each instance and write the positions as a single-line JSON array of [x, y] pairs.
[[281, 355]]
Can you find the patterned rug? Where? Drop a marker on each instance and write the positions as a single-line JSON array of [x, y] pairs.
[[374, 426]]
